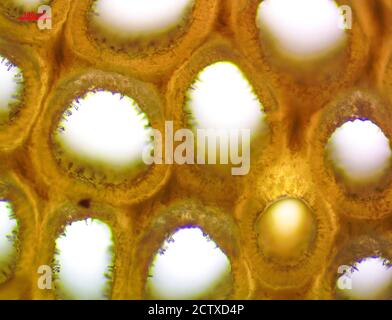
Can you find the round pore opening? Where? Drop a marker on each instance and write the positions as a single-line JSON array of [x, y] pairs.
[[222, 98], [367, 279], [224, 110], [302, 29], [84, 260], [360, 152], [11, 87], [105, 131], [8, 234], [135, 19], [189, 265]]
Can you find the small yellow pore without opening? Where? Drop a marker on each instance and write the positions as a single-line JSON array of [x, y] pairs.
[[286, 229]]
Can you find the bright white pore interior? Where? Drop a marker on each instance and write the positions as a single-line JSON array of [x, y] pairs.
[[370, 279], [84, 257], [140, 17], [107, 127], [302, 27], [8, 229], [9, 86], [8, 225], [190, 265], [222, 98], [360, 149]]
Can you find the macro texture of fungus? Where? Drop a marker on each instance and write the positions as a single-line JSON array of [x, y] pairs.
[[86, 85]]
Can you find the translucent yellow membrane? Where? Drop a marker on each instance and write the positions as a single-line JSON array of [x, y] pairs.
[[286, 229], [370, 278], [8, 230], [189, 265], [30, 4], [104, 128], [360, 152], [135, 18], [11, 86], [302, 28], [222, 100], [84, 255]]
